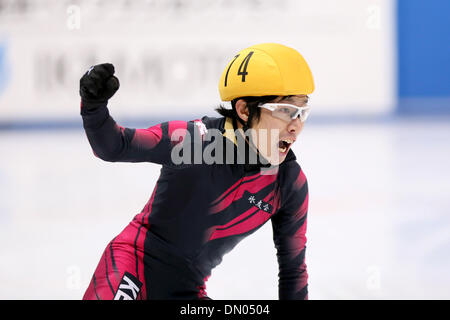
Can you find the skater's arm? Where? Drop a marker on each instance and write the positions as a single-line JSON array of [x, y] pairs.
[[289, 234], [112, 142]]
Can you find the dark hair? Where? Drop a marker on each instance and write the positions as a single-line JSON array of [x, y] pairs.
[[252, 105]]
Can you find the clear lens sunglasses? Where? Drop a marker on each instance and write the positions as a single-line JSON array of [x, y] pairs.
[[287, 112]]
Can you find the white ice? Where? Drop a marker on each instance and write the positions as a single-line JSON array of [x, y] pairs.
[[378, 221]]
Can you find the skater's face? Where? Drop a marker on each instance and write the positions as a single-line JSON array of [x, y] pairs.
[[272, 135]]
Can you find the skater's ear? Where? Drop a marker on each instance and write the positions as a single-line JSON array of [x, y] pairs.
[[242, 110]]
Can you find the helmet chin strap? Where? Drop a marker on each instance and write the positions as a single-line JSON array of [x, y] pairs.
[[245, 126], [249, 140]]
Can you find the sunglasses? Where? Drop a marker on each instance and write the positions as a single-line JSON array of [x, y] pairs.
[[287, 112]]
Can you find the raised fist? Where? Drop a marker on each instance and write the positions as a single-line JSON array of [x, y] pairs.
[[98, 85]]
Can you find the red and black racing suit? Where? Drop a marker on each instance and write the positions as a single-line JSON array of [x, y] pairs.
[[195, 214]]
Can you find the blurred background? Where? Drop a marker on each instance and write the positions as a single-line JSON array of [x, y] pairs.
[[375, 149]]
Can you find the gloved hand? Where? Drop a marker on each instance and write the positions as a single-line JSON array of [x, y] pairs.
[[98, 85]]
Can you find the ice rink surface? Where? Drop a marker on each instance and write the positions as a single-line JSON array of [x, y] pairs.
[[378, 221]]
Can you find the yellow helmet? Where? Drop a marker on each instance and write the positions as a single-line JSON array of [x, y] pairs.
[[266, 69]]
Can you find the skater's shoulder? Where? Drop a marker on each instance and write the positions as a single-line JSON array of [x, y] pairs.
[[212, 122], [291, 170]]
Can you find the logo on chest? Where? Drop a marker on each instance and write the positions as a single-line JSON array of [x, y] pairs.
[[245, 219], [255, 201]]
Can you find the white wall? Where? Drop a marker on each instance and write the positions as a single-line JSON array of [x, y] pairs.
[[169, 54]]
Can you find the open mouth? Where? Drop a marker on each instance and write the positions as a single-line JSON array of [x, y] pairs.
[[284, 144]]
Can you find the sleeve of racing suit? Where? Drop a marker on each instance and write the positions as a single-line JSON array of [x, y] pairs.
[[289, 235], [114, 143]]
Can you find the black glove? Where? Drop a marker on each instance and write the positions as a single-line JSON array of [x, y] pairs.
[[97, 85]]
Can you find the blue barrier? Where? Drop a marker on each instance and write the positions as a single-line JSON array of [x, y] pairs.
[[423, 33]]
